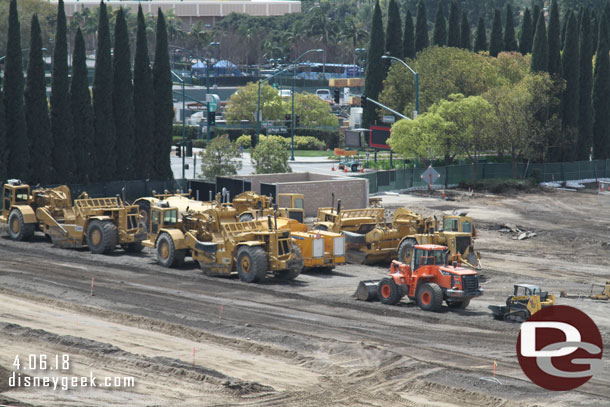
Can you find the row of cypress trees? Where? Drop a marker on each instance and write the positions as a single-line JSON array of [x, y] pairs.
[[565, 53], [119, 131]]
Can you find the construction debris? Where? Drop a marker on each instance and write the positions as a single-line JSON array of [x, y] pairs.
[[520, 233]]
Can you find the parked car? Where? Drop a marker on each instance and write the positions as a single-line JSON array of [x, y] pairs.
[[324, 94]]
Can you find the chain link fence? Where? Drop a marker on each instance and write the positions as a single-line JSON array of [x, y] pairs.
[[411, 178]]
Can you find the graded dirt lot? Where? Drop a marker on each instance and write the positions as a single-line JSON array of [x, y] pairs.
[[192, 340]]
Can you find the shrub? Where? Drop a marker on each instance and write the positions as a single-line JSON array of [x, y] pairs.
[[308, 143], [271, 156], [244, 141], [190, 132]]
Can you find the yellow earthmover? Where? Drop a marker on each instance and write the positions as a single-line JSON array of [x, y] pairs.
[[370, 239], [252, 249], [527, 299], [99, 223]]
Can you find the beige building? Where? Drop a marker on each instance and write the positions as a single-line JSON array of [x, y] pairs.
[[194, 11]]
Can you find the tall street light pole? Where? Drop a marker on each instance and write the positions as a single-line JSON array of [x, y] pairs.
[[416, 81], [294, 75], [215, 45]]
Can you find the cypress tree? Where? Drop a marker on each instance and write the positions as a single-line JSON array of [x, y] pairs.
[[16, 134], [82, 113], [105, 138], [601, 94], [594, 32], [374, 67], [525, 40], [421, 27], [480, 42], [408, 39], [496, 44], [163, 102], [143, 96], [440, 27], [535, 15], [393, 41], [570, 100], [122, 100], [3, 148], [453, 32], [540, 51], [564, 27], [585, 109], [510, 42], [37, 111], [554, 40], [465, 41], [61, 117]]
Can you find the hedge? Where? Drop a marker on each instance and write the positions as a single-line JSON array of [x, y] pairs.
[[329, 137]]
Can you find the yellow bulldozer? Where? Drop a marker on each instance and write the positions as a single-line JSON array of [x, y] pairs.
[[527, 299], [99, 223], [370, 239], [251, 249]]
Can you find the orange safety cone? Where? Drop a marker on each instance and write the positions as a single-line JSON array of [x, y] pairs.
[[332, 169], [362, 170], [345, 168], [443, 195]]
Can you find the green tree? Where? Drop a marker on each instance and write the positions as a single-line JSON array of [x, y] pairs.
[[220, 158], [535, 17], [421, 28], [61, 117], [569, 101], [480, 42], [375, 72], [540, 48], [242, 105], [601, 94], [393, 41], [465, 41], [510, 42], [27, 8], [270, 157], [143, 96], [453, 30], [420, 138], [408, 39], [16, 134], [312, 111], [496, 44], [554, 48], [163, 103], [585, 109], [3, 143], [82, 112], [525, 40], [105, 137], [440, 27], [122, 100], [594, 32], [37, 111]]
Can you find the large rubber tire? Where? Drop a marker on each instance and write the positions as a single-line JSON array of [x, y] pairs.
[[166, 252], [252, 263], [246, 217], [320, 227], [17, 228], [354, 167], [459, 304], [430, 297], [144, 211], [101, 236], [387, 291], [135, 247], [405, 250], [294, 271]]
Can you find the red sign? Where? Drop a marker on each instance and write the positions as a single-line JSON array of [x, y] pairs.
[[560, 348], [378, 137]]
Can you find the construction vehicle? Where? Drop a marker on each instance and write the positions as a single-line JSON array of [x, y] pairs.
[[603, 296], [370, 239], [250, 205], [99, 223], [252, 249], [428, 280], [527, 299]]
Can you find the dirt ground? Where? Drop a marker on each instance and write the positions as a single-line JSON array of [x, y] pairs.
[[192, 340]]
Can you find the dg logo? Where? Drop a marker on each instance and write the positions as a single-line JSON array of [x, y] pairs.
[[560, 348]]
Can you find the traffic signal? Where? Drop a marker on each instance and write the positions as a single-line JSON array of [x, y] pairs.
[[336, 95], [297, 120], [212, 118], [189, 148], [363, 101], [288, 118], [179, 150]]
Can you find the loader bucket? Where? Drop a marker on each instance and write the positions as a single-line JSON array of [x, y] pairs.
[[367, 290], [498, 311], [354, 238]]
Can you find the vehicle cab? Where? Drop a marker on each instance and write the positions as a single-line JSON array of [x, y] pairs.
[[14, 193], [161, 216], [458, 224]]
